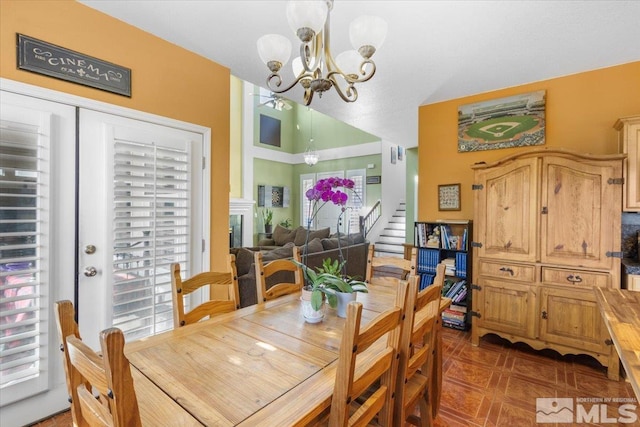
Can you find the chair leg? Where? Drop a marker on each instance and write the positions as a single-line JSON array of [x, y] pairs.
[[425, 412], [425, 419]]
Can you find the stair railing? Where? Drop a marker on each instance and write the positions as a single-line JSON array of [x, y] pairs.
[[367, 221]]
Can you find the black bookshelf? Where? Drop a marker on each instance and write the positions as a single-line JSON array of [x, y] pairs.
[[447, 241]]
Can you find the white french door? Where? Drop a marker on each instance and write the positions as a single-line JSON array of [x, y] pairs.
[[137, 207], [140, 210], [37, 175]]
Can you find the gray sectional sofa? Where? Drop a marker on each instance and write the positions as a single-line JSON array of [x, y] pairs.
[[354, 249]]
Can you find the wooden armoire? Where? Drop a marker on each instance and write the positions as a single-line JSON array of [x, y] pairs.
[[547, 231]]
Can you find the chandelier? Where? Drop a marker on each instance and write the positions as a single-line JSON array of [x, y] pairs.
[[315, 69]]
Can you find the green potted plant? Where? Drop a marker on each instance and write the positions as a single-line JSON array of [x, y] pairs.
[[286, 223], [330, 281], [339, 288], [267, 217]]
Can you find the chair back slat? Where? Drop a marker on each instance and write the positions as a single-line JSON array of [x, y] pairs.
[[265, 270], [389, 266], [225, 282]]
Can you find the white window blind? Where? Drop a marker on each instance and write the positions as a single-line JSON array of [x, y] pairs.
[[24, 188], [151, 231], [355, 203], [307, 181]]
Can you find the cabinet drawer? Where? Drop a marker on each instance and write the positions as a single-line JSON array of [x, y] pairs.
[[519, 272], [560, 276]]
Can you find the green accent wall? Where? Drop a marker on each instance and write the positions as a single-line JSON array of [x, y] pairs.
[[300, 123], [267, 172]]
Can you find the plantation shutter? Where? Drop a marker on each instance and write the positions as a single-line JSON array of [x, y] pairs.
[[24, 245], [307, 181], [355, 203], [152, 191]]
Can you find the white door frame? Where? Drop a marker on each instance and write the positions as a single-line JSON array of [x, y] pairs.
[[32, 409]]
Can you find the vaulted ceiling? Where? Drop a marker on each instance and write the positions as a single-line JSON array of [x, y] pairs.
[[434, 51]]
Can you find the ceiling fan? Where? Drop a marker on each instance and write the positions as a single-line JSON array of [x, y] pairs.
[[275, 101]]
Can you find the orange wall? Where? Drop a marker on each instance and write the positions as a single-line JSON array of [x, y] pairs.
[[580, 113], [166, 80]]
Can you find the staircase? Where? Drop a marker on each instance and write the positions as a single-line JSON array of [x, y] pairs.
[[392, 238]]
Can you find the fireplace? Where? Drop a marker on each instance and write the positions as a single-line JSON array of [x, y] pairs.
[[241, 222]]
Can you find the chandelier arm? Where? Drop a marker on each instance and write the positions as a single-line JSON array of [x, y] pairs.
[[308, 96], [309, 54], [350, 95], [278, 80], [350, 77]]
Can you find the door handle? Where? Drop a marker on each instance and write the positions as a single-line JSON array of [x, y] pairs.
[[90, 271]]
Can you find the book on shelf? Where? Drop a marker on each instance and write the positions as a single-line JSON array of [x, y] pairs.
[[452, 314], [460, 296], [459, 308], [461, 264], [427, 260], [426, 280], [455, 288], [454, 325]]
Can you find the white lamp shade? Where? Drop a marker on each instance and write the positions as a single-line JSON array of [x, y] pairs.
[[367, 30], [307, 14], [296, 66], [349, 62], [274, 47]]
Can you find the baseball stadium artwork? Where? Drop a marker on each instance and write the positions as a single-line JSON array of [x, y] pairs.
[[515, 121]]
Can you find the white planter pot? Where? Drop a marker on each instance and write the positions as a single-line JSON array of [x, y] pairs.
[[343, 300], [310, 315]]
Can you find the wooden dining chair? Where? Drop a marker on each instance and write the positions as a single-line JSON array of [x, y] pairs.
[[388, 266], [219, 283], [363, 392], [108, 374], [67, 326], [155, 407], [269, 269], [417, 345]]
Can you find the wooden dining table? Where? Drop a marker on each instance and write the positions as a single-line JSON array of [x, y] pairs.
[[260, 365]]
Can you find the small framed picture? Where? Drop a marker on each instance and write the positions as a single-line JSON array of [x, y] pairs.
[[400, 152], [449, 197], [394, 155]]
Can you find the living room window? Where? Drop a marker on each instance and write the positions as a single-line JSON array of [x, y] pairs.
[[351, 221]]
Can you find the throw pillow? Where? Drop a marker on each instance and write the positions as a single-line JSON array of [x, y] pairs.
[[314, 246], [332, 243], [301, 235], [281, 236], [244, 261], [284, 252]]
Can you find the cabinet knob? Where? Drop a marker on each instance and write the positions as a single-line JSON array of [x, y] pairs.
[[544, 315]]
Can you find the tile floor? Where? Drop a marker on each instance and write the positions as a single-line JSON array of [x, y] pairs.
[[497, 383]]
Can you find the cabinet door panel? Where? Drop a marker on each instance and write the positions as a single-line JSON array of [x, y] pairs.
[[629, 133], [506, 307], [580, 203], [506, 210], [571, 317]]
